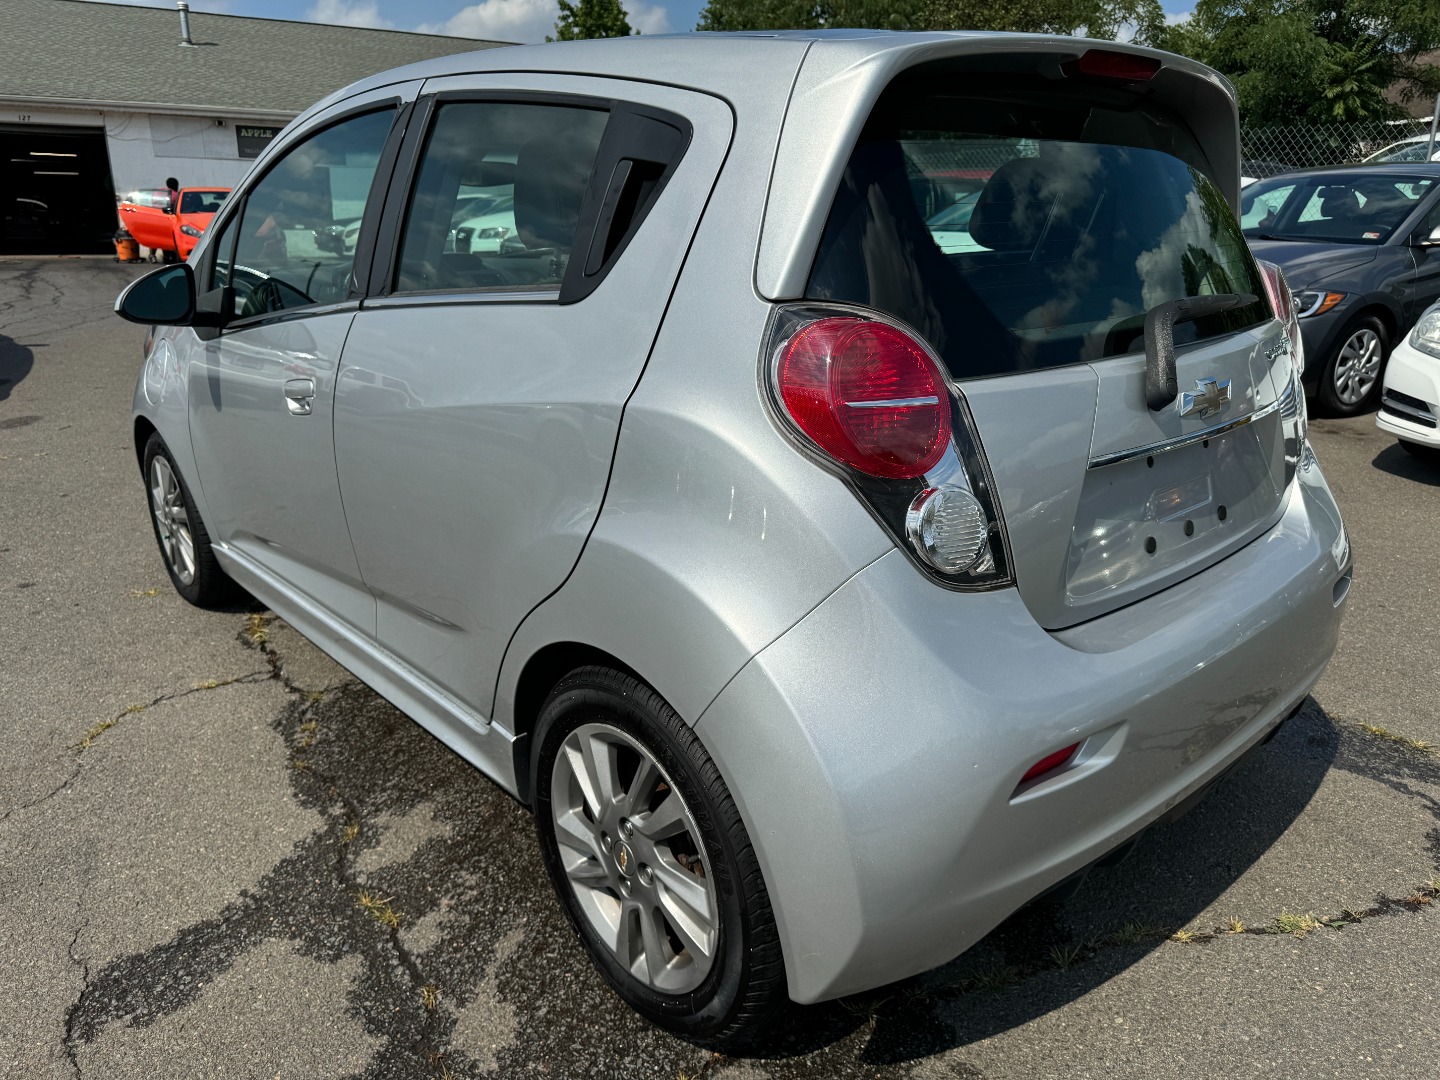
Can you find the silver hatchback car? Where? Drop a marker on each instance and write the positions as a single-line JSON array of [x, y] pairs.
[[867, 485]]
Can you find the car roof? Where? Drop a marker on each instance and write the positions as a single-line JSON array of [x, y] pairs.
[[1417, 170], [814, 88], [728, 63]]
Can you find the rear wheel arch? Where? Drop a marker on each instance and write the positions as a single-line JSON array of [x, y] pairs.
[[541, 673]]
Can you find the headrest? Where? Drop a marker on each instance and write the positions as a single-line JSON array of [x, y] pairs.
[[550, 183], [1005, 217], [1339, 202]]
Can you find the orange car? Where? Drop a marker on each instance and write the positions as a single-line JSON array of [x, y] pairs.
[[160, 228]]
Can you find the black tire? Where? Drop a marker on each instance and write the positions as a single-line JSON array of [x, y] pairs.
[[744, 988], [208, 586], [1332, 398]]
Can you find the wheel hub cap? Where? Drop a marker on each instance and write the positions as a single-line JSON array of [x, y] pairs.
[[634, 858]]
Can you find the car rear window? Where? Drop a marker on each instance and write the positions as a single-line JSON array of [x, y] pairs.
[[1029, 224]]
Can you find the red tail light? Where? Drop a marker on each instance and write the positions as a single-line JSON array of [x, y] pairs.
[[866, 394], [1283, 305]]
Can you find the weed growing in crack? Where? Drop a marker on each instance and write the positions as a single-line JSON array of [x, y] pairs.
[[1133, 933], [379, 909], [94, 733], [1295, 925], [430, 996], [1185, 937], [996, 978], [349, 834], [307, 732], [215, 684], [1418, 745], [1063, 956], [257, 628], [1234, 926], [144, 594]]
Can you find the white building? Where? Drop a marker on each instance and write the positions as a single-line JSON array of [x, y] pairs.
[[100, 98]]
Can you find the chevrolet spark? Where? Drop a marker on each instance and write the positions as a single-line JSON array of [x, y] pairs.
[[867, 485]]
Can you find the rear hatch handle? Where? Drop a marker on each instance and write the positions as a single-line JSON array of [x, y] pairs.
[[1161, 382]]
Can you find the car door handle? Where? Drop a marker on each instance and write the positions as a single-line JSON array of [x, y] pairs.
[[299, 395]]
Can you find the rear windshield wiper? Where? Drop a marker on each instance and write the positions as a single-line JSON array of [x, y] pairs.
[[1161, 383]]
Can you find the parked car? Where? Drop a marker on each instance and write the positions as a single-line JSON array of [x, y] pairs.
[[172, 229], [827, 596], [1410, 403], [1406, 151], [1358, 248]]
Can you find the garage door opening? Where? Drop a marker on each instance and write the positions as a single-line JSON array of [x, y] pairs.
[[56, 197]]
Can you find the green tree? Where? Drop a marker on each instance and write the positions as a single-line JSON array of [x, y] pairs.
[[1314, 61], [809, 14], [1093, 18], [1098, 18], [590, 19]]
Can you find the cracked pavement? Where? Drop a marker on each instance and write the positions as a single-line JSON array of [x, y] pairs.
[[193, 806]]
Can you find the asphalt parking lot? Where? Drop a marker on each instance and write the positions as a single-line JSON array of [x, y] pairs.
[[221, 856]]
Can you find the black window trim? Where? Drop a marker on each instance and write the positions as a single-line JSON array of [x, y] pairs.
[[234, 210], [577, 285]]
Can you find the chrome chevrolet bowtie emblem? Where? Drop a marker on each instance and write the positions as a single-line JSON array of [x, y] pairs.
[[1209, 397]]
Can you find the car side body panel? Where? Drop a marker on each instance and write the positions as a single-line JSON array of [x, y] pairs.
[[716, 535]]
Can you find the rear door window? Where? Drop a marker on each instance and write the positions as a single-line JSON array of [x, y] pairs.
[[1015, 230], [497, 198]]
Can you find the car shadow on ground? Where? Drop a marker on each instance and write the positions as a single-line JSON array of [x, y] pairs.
[[1397, 461], [466, 963], [16, 361]]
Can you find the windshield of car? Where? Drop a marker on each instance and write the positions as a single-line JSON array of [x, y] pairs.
[[1029, 231], [1337, 208], [201, 202]]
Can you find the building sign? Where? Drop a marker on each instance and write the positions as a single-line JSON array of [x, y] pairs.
[[251, 139]]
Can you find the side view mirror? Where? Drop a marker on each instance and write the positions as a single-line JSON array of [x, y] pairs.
[[1433, 240], [163, 297]]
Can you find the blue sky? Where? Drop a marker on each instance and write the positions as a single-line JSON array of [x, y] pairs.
[[501, 20]]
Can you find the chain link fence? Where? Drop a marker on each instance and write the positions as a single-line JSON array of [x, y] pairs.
[[1265, 151]]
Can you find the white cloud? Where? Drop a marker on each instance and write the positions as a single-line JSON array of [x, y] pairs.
[[529, 21], [500, 20], [1173, 17], [648, 18], [349, 13]]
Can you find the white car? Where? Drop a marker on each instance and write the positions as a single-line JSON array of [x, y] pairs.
[[1410, 402], [484, 233], [1405, 151]]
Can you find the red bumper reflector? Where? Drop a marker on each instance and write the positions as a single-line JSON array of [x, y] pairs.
[[1049, 762]]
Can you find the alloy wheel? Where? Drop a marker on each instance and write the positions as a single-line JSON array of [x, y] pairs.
[[172, 521], [1357, 367], [635, 859]]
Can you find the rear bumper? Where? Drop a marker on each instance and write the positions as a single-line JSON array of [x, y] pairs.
[[1410, 404], [875, 749]]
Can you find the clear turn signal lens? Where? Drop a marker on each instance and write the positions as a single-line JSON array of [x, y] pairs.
[[948, 529]]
